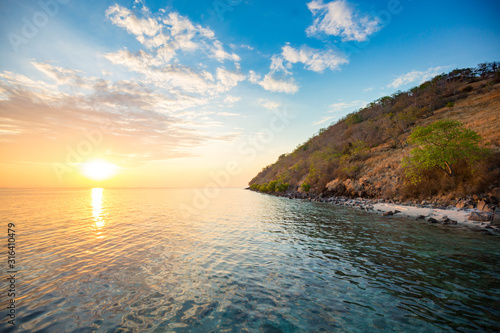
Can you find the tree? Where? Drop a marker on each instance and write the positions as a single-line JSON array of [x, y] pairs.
[[441, 145]]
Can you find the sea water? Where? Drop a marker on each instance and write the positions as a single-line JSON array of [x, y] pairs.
[[163, 260]]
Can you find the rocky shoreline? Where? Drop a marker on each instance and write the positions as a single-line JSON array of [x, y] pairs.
[[479, 212]]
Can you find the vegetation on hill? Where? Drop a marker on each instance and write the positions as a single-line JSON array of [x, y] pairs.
[[367, 152]]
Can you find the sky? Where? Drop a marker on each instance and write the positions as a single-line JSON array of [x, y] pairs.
[[206, 93]]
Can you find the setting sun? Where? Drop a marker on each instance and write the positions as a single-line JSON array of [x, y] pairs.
[[98, 170]]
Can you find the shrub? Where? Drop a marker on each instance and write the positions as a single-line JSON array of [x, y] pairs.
[[353, 118], [281, 187], [306, 187], [441, 145]]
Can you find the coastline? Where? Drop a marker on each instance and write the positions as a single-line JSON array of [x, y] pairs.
[[429, 213]]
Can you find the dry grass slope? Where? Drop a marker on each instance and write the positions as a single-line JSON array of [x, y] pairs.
[[361, 156]]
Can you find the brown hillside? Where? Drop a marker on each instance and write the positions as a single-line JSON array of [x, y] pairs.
[[361, 154]]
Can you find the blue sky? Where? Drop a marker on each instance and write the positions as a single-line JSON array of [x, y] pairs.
[[189, 86]]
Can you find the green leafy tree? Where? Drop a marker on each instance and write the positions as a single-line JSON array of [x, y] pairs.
[[441, 145], [272, 185], [281, 187]]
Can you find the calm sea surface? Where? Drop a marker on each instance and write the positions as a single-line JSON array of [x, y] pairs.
[[132, 260]]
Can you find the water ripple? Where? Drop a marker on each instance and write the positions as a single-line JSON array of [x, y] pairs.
[[130, 260]]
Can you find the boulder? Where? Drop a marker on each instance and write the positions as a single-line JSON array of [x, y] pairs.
[[432, 220], [420, 217], [495, 219], [480, 216], [481, 205], [496, 193], [447, 220], [389, 213]]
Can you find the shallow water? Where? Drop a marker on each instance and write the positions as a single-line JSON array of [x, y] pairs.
[[133, 260]]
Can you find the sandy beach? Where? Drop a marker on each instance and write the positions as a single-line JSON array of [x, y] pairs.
[[460, 216]]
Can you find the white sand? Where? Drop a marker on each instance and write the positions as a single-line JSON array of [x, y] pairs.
[[462, 217]]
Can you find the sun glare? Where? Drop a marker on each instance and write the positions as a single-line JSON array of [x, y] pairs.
[[98, 170]]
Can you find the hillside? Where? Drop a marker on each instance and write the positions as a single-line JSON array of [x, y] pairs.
[[361, 154]]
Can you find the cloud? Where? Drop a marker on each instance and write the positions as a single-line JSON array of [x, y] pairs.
[[419, 76], [221, 55], [64, 76], [274, 84], [265, 103], [278, 85], [337, 18], [124, 18], [253, 77], [339, 109], [146, 124], [314, 60], [164, 36], [323, 120], [227, 80], [231, 99], [342, 106], [169, 33]]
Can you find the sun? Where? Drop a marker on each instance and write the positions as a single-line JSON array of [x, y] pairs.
[[98, 170]]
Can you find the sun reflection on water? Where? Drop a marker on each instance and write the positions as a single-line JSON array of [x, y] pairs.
[[97, 213]]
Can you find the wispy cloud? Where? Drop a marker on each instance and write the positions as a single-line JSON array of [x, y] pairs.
[[270, 105], [155, 114], [343, 106], [169, 33], [339, 109], [164, 35], [271, 83], [338, 18], [231, 99], [416, 76], [323, 120], [313, 59], [146, 124]]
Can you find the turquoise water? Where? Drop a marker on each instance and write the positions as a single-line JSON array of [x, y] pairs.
[[133, 261]]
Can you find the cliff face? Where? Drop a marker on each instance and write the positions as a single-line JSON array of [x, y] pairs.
[[361, 154]]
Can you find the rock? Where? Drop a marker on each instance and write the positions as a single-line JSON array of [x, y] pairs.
[[389, 213], [432, 220], [447, 220], [496, 219], [461, 204], [496, 193], [482, 204], [480, 216], [421, 217], [336, 186], [397, 211]]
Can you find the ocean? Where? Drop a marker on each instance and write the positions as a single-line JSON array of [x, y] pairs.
[[160, 260]]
